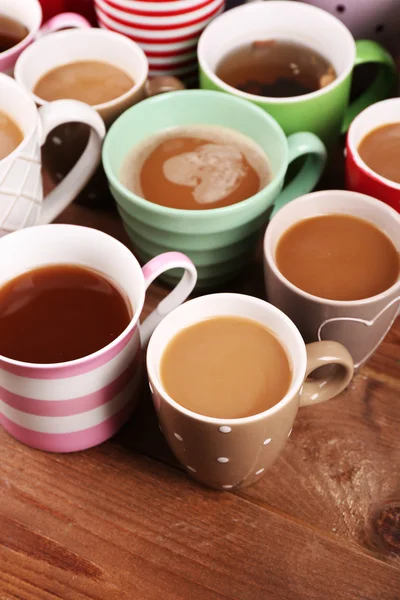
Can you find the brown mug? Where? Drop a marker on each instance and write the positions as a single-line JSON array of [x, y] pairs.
[[360, 325], [233, 453]]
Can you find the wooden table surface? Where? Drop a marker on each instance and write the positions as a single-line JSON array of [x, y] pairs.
[[123, 521]]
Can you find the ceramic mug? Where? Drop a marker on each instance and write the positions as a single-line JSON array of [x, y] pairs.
[[219, 241], [29, 13], [21, 190], [233, 453], [70, 406], [85, 45], [325, 112], [359, 177], [360, 325], [168, 32]]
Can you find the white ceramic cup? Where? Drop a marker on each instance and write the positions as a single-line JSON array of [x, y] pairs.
[[70, 406], [360, 325], [85, 45], [29, 13], [21, 190]]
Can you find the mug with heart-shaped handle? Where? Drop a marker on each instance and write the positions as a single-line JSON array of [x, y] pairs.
[[361, 324]]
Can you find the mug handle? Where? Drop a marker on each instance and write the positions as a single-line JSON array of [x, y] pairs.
[[71, 111], [321, 354], [368, 51], [63, 21], [302, 144], [153, 269]]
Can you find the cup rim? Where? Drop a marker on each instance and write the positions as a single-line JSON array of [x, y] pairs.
[[353, 148], [26, 41], [168, 97], [41, 230], [270, 259], [10, 81], [297, 379], [23, 61], [266, 6]]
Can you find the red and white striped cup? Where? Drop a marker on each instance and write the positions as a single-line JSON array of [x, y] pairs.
[[65, 407], [167, 31]]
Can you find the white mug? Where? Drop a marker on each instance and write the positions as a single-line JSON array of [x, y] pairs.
[[21, 190], [70, 406], [64, 47]]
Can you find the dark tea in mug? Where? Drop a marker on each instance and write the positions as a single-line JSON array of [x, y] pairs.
[[59, 313]]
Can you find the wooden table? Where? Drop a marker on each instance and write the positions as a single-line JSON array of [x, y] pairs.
[[122, 521]]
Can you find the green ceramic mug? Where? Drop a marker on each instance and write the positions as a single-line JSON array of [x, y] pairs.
[[219, 241], [325, 112]]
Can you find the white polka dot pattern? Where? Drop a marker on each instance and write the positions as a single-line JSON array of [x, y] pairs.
[[223, 459], [225, 429]]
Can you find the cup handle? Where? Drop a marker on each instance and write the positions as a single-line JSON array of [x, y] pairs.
[[63, 21], [302, 144], [321, 354], [368, 51], [71, 111], [153, 269]]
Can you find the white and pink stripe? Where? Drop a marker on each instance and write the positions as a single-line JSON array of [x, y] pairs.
[[71, 411], [71, 406]]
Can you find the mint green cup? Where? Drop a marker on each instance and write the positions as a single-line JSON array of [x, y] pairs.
[[327, 111], [219, 241]]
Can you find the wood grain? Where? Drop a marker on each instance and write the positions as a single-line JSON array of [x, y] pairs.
[[111, 524]]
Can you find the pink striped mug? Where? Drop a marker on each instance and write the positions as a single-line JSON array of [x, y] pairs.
[[29, 13], [71, 406]]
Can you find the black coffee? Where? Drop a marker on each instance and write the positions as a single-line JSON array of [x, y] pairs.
[[275, 68], [11, 33]]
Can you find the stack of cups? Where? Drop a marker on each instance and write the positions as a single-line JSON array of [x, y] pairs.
[[167, 30]]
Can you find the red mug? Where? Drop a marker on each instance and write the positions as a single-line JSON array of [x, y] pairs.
[[359, 177]]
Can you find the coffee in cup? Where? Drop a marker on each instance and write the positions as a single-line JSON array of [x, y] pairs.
[[60, 391], [300, 32], [275, 68], [21, 24], [331, 263], [10, 135], [338, 257], [12, 32], [380, 150], [43, 302], [226, 367], [227, 424], [219, 239], [196, 167], [106, 70], [93, 82], [373, 152]]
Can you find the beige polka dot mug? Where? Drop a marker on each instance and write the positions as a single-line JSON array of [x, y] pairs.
[[233, 453]]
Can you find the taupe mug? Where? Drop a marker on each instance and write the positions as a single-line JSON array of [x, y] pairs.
[[232, 453], [360, 325]]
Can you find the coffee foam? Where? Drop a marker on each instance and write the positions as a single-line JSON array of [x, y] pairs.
[[214, 170]]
